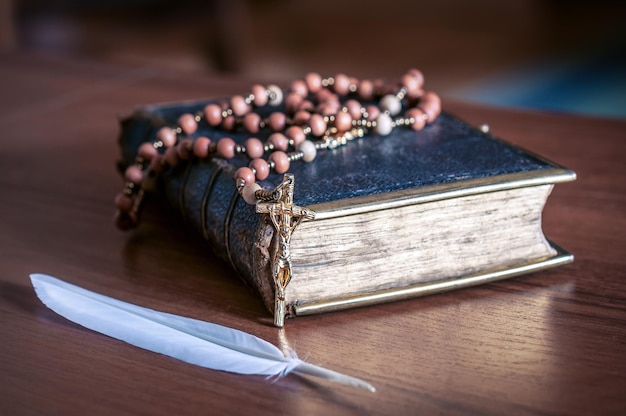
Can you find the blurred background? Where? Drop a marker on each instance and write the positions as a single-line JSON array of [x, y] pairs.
[[556, 55]]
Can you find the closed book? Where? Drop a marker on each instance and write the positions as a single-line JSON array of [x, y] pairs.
[[400, 216]]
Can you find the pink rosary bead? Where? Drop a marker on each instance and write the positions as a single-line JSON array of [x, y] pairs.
[[213, 114], [261, 168], [188, 123], [254, 148], [167, 136], [226, 148], [201, 147], [281, 161]]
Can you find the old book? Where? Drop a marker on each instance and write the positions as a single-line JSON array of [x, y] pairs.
[[405, 215]]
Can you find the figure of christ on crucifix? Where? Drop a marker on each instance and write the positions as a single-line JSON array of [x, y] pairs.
[[286, 217]]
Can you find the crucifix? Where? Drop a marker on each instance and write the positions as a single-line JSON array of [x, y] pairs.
[[285, 217]]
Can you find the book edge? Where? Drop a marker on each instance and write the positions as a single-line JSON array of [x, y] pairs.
[[433, 193], [561, 257]]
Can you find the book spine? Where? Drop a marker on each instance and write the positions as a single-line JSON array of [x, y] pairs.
[[204, 193]]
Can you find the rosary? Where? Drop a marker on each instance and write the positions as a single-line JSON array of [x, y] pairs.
[[319, 114]]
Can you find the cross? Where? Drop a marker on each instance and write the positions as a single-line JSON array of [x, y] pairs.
[[286, 217]]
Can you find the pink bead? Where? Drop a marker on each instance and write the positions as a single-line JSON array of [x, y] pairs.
[[252, 122], [188, 123], [430, 104], [123, 202], [239, 105], [277, 121], [229, 123], [260, 95], [156, 164], [167, 136], [326, 109], [147, 151], [313, 82], [418, 116], [317, 124], [281, 161], [366, 90], [343, 121], [372, 112], [213, 114], [296, 134], [261, 168], [354, 109], [417, 74], [301, 117], [201, 147], [134, 174], [292, 102], [184, 149], [226, 148], [342, 84], [171, 156], [246, 174], [254, 147], [412, 83], [325, 96], [306, 105], [300, 88], [279, 141]]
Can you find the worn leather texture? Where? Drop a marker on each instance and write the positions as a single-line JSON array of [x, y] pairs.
[[445, 151]]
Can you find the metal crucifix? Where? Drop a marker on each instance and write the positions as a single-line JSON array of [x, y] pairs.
[[286, 217]]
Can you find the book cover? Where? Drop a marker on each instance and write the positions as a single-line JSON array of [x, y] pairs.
[[412, 213]]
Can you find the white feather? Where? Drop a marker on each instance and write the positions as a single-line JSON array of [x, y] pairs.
[[190, 340]]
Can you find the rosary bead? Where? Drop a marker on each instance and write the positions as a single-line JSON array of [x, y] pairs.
[[301, 117], [342, 84], [306, 105], [279, 141], [430, 104], [418, 116], [254, 147], [295, 134], [260, 95], [239, 105], [384, 124], [171, 156], [246, 174], [228, 123], [252, 123], [391, 104], [201, 147], [184, 149], [317, 124], [308, 150], [412, 82], [292, 102], [354, 109], [366, 90], [188, 123], [134, 174], [167, 136], [299, 87], [343, 121], [249, 192], [261, 168], [313, 82], [276, 95], [281, 161], [277, 121], [213, 114], [226, 148], [372, 112], [147, 151], [123, 202]]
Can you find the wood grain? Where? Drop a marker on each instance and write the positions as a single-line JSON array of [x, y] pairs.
[[549, 343]]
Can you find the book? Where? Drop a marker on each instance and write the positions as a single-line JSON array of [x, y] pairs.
[[410, 214]]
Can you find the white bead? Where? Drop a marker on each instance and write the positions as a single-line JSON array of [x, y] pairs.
[[307, 147], [248, 192], [276, 95], [391, 104], [384, 124]]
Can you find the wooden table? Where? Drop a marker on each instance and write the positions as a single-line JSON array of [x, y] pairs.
[[553, 342]]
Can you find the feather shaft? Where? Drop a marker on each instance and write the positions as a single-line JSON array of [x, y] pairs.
[[197, 342]]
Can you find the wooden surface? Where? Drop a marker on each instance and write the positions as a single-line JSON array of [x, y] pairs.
[[549, 343]]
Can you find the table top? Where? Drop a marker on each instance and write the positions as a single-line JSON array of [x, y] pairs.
[[552, 342]]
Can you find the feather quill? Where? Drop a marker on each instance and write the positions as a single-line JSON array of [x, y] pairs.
[[197, 342]]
